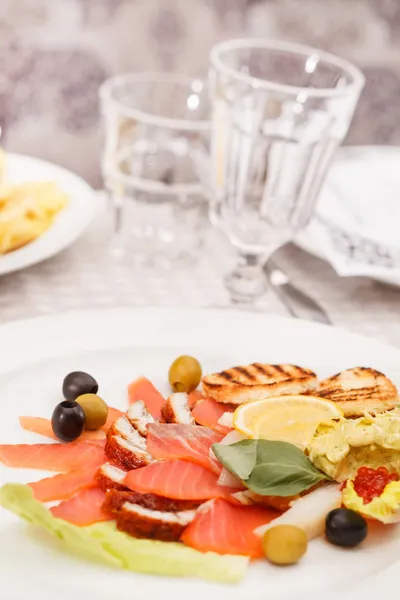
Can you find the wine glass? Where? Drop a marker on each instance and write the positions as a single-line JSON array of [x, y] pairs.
[[279, 111]]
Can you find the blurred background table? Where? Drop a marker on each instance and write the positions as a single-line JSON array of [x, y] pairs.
[[55, 55], [87, 277]]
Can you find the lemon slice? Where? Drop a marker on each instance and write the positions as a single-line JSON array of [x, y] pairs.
[[292, 419]]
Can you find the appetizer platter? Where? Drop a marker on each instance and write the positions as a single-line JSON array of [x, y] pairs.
[[179, 464]]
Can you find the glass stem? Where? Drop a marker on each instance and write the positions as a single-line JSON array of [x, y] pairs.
[[247, 282], [115, 207]]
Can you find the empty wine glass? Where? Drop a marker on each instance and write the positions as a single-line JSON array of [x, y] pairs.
[[279, 112], [156, 148]]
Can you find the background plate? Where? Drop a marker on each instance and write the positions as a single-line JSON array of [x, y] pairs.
[[118, 345], [69, 224]]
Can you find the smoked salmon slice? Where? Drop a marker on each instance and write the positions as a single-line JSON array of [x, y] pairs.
[[167, 441], [194, 398], [143, 389], [43, 427], [113, 415], [53, 457], [83, 509], [64, 485], [177, 479], [208, 412], [227, 529]]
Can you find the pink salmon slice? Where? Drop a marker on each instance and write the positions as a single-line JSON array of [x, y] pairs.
[[177, 479], [53, 457], [227, 529], [208, 412], [85, 508], [167, 441], [63, 485], [143, 389]]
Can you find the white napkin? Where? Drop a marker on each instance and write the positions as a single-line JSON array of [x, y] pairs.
[[357, 222]]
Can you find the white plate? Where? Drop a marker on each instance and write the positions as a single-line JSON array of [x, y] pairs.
[[69, 224], [355, 225], [118, 345]]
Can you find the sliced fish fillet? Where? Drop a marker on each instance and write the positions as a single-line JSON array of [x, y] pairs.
[[143, 389], [227, 529], [43, 427], [194, 398], [227, 479], [139, 417], [176, 410], [63, 485], [53, 457], [187, 442], [83, 509], [177, 479], [113, 415], [208, 412]]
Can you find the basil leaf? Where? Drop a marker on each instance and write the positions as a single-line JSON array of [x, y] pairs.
[[269, 468], [240, 458], [282, 470]]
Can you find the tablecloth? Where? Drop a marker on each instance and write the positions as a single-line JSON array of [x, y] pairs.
[[86, 276]]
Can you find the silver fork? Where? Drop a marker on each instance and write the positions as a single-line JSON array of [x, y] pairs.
[[297, 302]]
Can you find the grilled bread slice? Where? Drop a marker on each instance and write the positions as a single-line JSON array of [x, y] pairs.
[[360, 390], [257, 381]]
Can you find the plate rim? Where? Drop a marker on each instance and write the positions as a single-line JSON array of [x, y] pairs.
[[79, 229], [50, 322]]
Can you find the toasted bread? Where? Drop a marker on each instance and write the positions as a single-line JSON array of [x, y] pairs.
[[360, 390], [256, 382]]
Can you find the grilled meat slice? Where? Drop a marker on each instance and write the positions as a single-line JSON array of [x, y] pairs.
[[360, 390], [142, 522], [176, 410], [110, 477], [122, 427], [257, 381], [116, 499], [139, 417], [125, 454]]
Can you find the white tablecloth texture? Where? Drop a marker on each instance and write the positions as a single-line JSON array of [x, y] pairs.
[[85, 276]]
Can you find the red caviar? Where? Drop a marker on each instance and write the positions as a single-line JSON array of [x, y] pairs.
[[370, 483]]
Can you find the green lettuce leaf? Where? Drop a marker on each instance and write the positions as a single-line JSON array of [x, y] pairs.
[[104, 543]]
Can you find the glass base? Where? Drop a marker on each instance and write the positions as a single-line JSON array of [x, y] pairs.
[[246, 284]]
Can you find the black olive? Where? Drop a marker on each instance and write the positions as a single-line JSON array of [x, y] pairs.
[[68, 421], [345, 527], [78, 383]]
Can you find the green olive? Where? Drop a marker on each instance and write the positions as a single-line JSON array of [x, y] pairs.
[[95, 409], [184, 374], [284, 544]]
